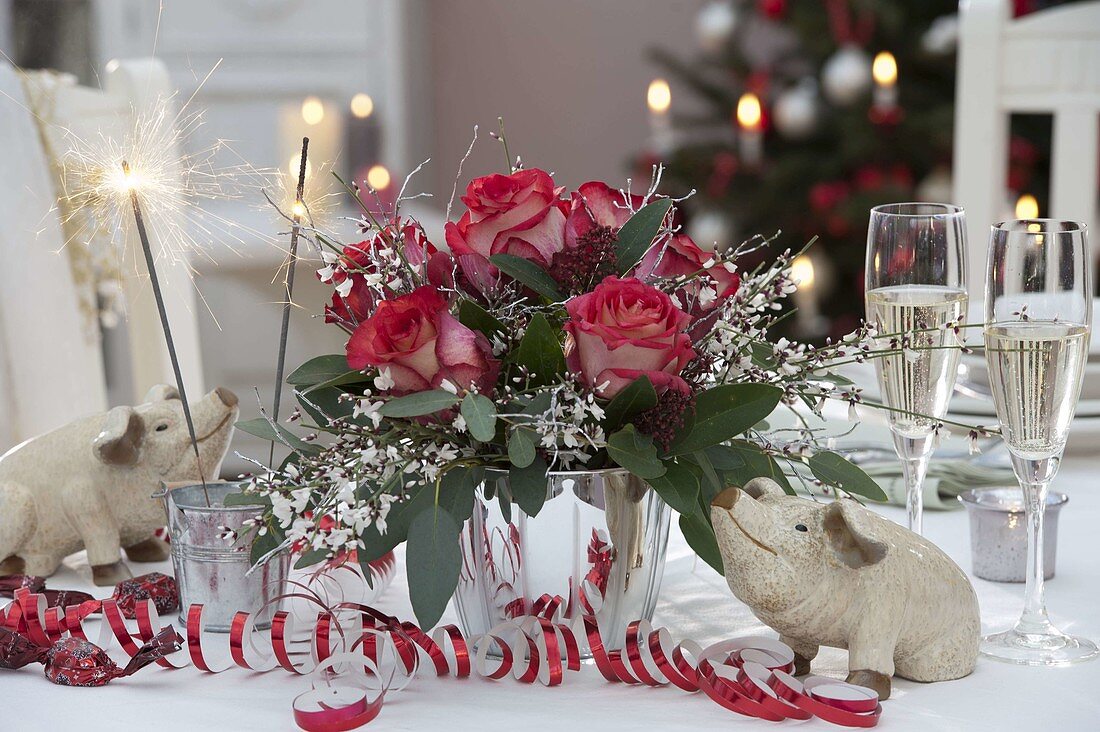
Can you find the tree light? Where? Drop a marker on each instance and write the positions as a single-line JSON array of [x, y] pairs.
[[659, 96], [884, 69], [802, 271]]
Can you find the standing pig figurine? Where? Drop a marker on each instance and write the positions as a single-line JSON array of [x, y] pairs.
[[840, 575], [89, 484]]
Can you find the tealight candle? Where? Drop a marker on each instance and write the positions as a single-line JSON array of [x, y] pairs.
[[750, 118], [884, 70], [659, 99], [998, 533]]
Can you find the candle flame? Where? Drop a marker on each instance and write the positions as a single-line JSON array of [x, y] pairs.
[[884, 69], [658, 96], [378, 177], [802, 271], [362, 106], [749, 112], [1027, 207]]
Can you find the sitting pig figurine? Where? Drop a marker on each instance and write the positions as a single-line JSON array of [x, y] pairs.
[[89, 484], [840, 575]]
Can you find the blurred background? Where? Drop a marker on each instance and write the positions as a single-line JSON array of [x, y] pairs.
[[791, 115]]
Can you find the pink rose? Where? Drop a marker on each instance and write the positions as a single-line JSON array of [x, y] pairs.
[[358, 260], [417, 339], [520, 214], [681, 256], [596, 204], [624, 329]]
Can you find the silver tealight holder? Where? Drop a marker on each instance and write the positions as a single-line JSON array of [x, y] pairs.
[[998, 533]]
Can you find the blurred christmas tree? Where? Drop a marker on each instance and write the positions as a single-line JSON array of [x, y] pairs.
[[809, 113]]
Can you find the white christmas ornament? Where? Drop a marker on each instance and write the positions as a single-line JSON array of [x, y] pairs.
[[795, 111], [942, 36], [715, 24], [936, 187], [711, 230], [846, 75]]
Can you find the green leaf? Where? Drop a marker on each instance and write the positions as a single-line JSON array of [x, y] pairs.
[[313, 556], [319, 369], [678, 487], [638, 396], [432, 562], [724, 412], [713, 484], [350, 377], [401, 515], [724, 457], [528, 273], [636, 452], [264, 544], [419, 404], [828, 467], [325, 405], [757, 464], [540, 352], [521, 447], [481, 416], [700, 537], [637, 234], [261, 428], [245, 499], [528, 486], [475, 317], [456, 491]]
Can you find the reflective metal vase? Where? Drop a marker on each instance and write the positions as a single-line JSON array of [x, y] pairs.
[[212, 570], [597, 547]]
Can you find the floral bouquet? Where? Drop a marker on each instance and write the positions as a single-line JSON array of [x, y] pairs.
[[574, 331]]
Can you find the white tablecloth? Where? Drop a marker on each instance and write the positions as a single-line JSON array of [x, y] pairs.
[[695, 602]]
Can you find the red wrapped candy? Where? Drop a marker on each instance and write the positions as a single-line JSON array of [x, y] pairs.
[[75, 662], [160, 588], [11, 582]]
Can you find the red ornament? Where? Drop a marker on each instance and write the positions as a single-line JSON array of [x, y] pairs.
[[773, 9]]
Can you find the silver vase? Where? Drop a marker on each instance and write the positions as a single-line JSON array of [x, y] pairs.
[[597, 547]]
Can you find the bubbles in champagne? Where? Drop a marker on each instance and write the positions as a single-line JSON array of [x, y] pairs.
[[918, 382]]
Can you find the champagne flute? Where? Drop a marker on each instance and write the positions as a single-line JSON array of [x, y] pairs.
[[916, 287], [1038, 315]]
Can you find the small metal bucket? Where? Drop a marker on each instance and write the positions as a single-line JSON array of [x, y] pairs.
[[213, 570]]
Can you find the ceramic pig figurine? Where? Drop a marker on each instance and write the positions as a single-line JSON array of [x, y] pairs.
[[89, 484], [840, 575]]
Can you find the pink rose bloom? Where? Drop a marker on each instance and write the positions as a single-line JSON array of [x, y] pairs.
[[681, 256], [519, 214], [624, 329], [417, 339], [597, 204]]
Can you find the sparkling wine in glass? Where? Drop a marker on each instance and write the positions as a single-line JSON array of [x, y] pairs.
[[1038, 316], [916, 290]]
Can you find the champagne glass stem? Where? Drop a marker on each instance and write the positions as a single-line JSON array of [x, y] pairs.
[[1034, 619], [915, 453]]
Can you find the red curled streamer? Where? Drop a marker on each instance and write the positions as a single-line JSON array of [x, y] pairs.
[[748, 676]]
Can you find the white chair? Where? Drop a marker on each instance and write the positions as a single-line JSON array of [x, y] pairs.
[[1048, 63], [51, 359]]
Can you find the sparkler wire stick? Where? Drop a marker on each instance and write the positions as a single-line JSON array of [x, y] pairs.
[[159, 296], [288, 284]]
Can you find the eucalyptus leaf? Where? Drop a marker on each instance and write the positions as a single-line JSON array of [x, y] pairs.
[[679, 487], [262, 545], [261, 428], [635, 452], [475, 317], [828, 467], [637, 234], [456, 491], [700, 537], [319, 369], [311, 557], [540, 352], [528, 486], [528, 273], [724, 412], [481, 416], [419, 404], [521, 447], [758, 464], [432, 563], [245, 499], [638, 396]]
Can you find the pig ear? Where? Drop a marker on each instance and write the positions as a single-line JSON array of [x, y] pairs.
[[848, 534], [162, 393], [120, 440], [760, 487]]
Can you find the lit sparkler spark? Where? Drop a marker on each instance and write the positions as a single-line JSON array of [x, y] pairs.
[[174, 187]]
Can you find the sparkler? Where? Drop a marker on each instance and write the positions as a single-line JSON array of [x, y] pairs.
[[297, 210], [131, 184]]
